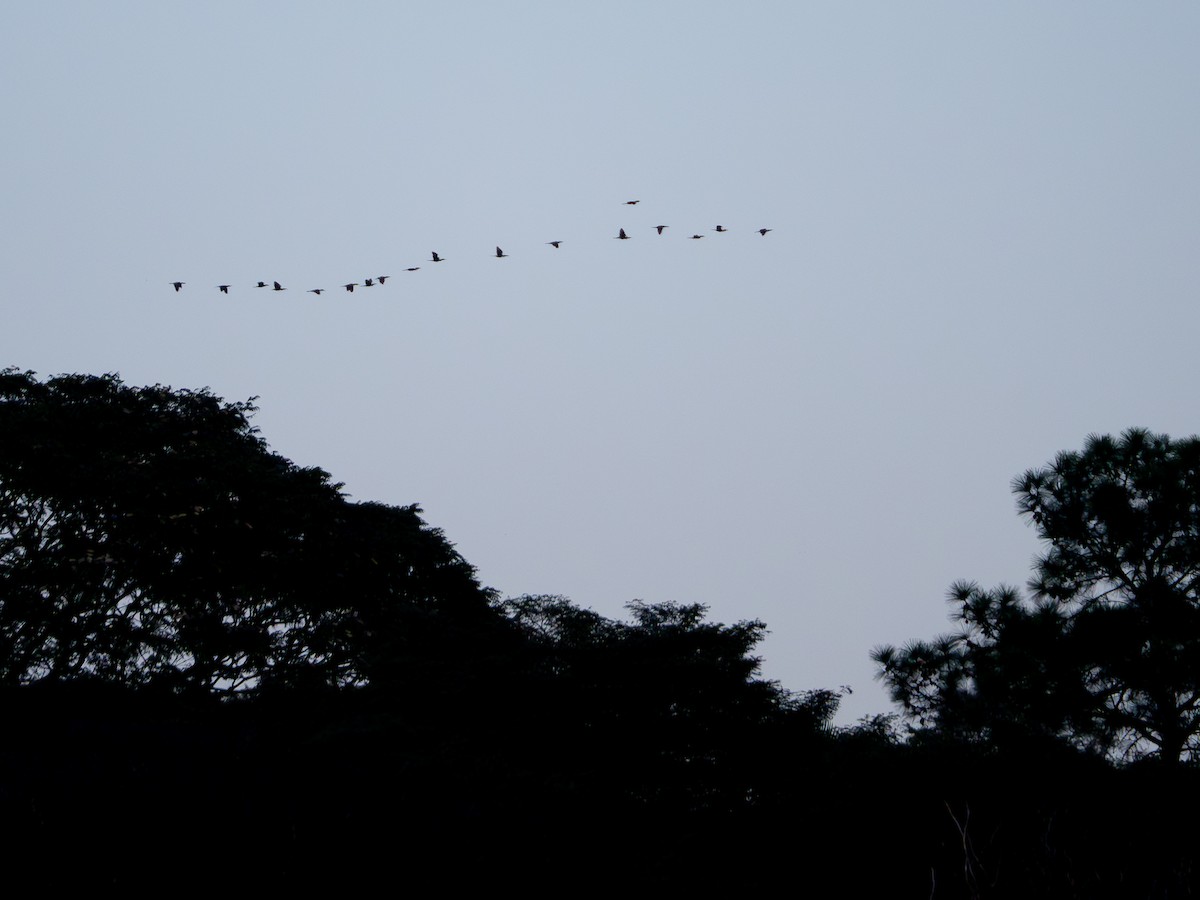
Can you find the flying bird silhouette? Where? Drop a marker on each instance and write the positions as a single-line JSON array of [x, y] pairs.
[[434, 257]]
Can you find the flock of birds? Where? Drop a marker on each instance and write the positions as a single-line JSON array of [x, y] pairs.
[[500, 254]]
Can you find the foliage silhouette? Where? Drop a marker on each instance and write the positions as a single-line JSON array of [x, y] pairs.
[[148, 536], [1105, 655], [664, 707], [242, 676]]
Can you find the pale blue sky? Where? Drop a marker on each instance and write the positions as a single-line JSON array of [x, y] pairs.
[[986, 227]]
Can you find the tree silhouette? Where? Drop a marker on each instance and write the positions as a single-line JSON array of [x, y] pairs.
[[1106, 653], [197, 632], [665, 707], [148, 536]]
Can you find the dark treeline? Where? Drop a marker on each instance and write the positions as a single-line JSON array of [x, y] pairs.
[[217, 670]]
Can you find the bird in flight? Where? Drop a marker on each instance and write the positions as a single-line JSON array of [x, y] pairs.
[[621, 235]]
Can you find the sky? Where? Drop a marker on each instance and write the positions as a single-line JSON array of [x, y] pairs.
[[984, 248]]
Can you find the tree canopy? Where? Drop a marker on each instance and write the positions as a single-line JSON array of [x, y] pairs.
[[149, 536], [1105, 652], [396, 720]]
